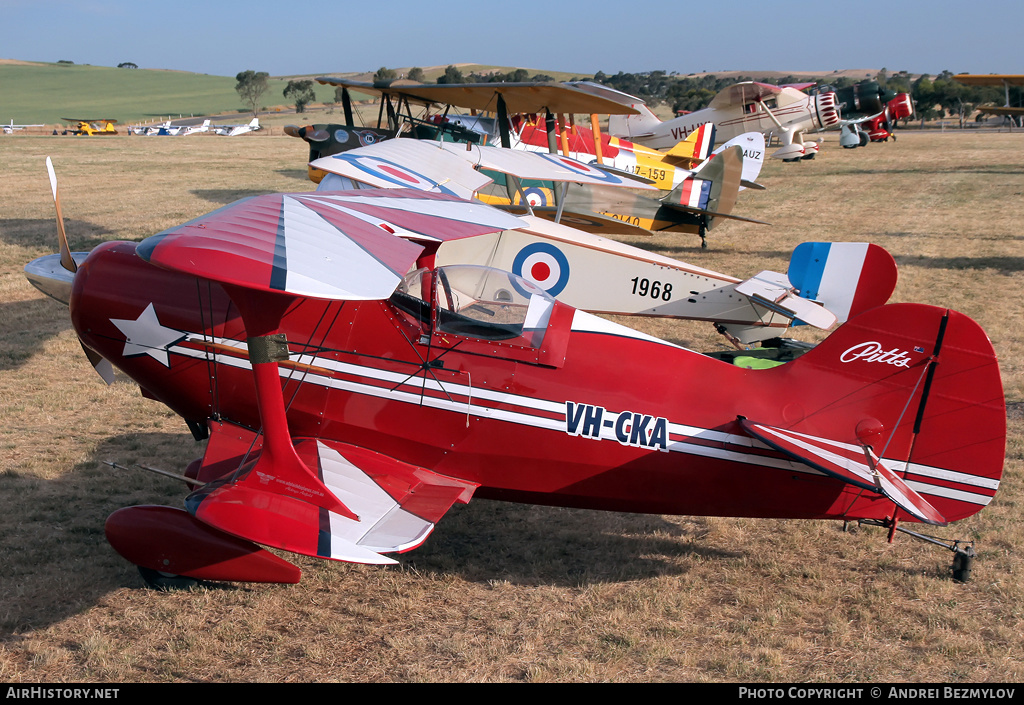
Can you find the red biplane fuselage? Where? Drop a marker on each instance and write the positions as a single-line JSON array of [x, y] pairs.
[[577, 411]]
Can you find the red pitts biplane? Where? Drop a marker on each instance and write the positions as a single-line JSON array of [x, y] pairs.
[[352, 392]]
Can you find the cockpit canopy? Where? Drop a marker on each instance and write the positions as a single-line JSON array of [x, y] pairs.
[[477, 302]]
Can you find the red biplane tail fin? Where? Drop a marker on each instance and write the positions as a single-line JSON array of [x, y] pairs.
[[915, 388]]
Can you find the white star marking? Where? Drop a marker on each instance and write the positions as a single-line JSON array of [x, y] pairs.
[[145, 336]]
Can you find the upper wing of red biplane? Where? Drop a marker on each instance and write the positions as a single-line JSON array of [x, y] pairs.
[[324, 245]]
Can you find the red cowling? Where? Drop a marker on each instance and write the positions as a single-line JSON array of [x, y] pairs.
[[173, 541]]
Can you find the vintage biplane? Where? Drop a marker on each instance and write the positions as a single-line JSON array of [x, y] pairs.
[[1012, 113], [515, 126], [351, 391], [783, 111], [825, 283], [90, 126], [537, 117]]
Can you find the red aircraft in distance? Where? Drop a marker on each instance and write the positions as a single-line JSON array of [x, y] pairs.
[[352, 392]]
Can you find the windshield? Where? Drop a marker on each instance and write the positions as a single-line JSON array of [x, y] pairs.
[[477, 302]]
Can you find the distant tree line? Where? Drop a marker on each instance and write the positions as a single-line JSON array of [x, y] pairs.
[[933, 98], [453, 75]]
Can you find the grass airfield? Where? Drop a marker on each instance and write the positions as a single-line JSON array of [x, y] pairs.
[[503, 592]]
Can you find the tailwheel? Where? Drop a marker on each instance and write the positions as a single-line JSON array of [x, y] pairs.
[[166, 582], [963, 562]]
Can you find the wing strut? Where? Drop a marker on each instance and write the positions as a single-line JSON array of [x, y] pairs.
[[279, 467]]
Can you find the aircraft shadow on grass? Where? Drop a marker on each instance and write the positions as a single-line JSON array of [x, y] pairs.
[[225, 195], [59, 563], [42, 233]]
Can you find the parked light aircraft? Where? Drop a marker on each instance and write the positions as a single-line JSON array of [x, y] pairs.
[[233, 130], [166, 129], [825, 282], [91, 126], [785, 111], [12, 128], [412, 387]]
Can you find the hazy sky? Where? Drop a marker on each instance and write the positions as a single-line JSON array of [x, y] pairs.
[[224, 37]]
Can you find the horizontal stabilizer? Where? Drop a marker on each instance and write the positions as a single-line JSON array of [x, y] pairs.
[[397, 505], [855, 465], [718, 180], [773, 291]]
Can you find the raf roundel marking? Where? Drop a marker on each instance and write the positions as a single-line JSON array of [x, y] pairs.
[[543, 264], [535, 197]]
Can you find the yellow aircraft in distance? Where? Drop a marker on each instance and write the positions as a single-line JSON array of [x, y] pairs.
[[996, 79], [91, 126]]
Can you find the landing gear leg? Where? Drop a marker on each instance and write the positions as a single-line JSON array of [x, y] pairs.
[[963, 551], [703, 240]]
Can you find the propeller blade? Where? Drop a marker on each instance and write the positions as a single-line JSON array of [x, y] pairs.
[[66, 260], [100, 364]]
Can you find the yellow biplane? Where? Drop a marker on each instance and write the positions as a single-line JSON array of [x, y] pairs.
[[90, 126]]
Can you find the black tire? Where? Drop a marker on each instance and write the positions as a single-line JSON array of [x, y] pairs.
[[166, 582], [962, 565]]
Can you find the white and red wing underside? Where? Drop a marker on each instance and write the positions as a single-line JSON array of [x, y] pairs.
[[447, 167], [397, 504]]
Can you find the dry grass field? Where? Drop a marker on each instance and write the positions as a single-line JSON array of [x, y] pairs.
[[503, 592]]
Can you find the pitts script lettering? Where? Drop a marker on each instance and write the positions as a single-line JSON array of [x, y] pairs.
[[627, 427], [872, 352]]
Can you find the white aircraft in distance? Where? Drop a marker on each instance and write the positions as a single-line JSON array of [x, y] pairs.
[[785, 111], [175, 130], [11, 128], [192, 129], [232, 130]]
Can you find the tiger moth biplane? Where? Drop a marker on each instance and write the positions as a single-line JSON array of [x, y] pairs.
[[351, 393]]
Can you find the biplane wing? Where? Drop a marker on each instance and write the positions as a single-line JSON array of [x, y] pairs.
[[529, 97], [397, 504], [743, 94], [331, 246]]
